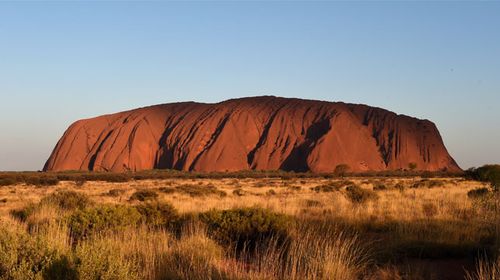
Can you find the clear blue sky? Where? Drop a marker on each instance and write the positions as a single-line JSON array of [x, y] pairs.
[[63, 61]]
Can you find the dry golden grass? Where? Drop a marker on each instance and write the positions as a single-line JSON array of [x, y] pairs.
[[337, 238], [486, 270]]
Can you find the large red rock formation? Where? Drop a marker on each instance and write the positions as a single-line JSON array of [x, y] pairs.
[[262, 133]]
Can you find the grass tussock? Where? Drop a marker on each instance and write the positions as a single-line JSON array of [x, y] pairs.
[[485, 270], [358, 195]]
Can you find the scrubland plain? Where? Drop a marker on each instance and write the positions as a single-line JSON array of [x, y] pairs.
[[251, 228]]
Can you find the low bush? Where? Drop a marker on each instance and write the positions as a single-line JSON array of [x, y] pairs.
[[332, 186], [478, 193], [41, 181], [487, 173], [239, 192], [144, 195], [427, 183], [7, 181], [115, 192], [64, 200], [67, 200], [101, 259], [197, 190], [90, 221], [194, 190], [23, 213], [400, 187], [80, 183], [27, 257], [379, 186], [357, 194], [246, 227], [167, 190], [261, 184], [194, 257], [158, 214], [271, 192], [108, 177], [325, 188]]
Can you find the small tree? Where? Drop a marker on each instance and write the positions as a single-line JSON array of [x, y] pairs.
[[412, 166], [490, 173], [341, 170], [495, 181]]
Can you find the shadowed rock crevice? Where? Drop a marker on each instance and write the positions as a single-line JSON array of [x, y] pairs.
[[263, 137], [94, 157], [297, 160]]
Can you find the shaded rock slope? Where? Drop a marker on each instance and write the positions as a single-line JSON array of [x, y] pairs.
[[261, 133]]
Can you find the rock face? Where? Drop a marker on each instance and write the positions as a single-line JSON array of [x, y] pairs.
[[261, 133]]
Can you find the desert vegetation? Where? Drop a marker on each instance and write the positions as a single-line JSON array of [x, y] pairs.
[[284, 226], [80, 177]]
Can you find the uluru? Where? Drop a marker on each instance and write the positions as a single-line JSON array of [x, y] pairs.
[[254, 133]]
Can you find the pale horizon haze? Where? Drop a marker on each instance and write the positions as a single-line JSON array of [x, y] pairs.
[[63, 61]]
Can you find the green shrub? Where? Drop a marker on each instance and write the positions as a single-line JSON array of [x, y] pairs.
[[332, 186], [357, 194], [80, 183], [261, 184], [400, 186], [238, 192], [271, 192], [478, 193], [325, 188], [194, 190], [487, 173], [435, 183], [426, 183], [157, 214], [41, 181], [115, 192], [195, 258], [412, 166], [112, 177], [90, 221], [378, 186], [62, 268], [26, 257], [246, 227], [23, 213], [144, 195], [341, 170], [167, 190], [7, 181], [67, 200], [99, 259], [197, 190]]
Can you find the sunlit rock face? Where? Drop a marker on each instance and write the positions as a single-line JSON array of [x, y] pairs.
[[260, 133]]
